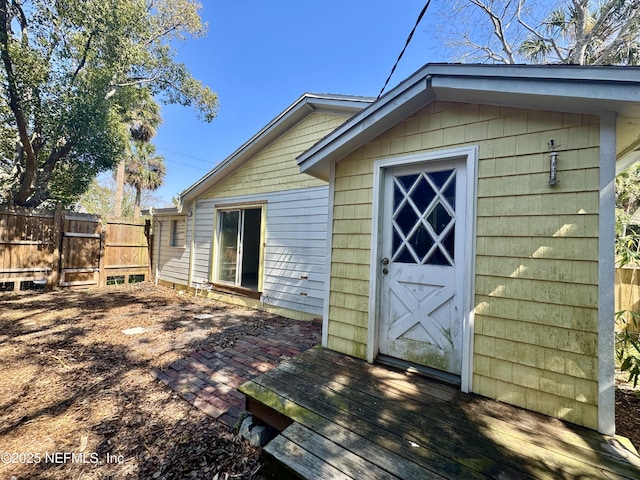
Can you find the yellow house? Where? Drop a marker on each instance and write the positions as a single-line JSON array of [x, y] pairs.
[[252, 231], [471, 230]]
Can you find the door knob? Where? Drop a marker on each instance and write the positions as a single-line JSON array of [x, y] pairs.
[[385, 261]]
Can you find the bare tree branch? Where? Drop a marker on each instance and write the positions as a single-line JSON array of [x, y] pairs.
[[550, 40], [620, 39], [497, 29]]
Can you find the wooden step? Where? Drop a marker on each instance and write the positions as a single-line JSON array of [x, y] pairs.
[[309, 455]]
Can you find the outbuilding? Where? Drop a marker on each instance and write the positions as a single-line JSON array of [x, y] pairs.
[[471, 230]]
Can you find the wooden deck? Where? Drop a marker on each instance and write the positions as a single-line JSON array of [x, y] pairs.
[[342, 418]]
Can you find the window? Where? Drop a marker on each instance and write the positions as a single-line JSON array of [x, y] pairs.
[[177, 233], [238, 256]]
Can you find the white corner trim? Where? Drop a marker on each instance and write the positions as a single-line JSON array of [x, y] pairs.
[[466, 377], [606, 275], [376, 245], [192, 242], [327, 273], [470, 154]]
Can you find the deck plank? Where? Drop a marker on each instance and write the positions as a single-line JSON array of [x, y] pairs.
[[313, 401], [335, 455], [383, 458], [449, 447], [425, 429], [301, 461], [525, 429]]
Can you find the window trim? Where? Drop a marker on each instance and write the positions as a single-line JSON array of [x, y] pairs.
[[174, 233], [218, 208]]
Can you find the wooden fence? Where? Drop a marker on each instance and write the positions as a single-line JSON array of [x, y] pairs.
[[627, 293], [67, 249]]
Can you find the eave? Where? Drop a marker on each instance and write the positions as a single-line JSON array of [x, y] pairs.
[[304, 106], [566, 88]]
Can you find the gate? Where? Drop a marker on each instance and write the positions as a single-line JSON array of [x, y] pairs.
[[81, 245], [69, 249]]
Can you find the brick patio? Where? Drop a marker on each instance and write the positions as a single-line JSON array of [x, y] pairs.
[[208, 377]]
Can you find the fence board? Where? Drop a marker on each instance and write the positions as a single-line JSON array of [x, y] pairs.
[[627, 293], [69, 249]]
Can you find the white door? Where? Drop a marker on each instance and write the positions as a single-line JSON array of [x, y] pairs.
[[423, 228]]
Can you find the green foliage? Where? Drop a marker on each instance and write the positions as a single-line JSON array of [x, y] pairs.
[[100, 197], [628, 345], [628, 254], [70, 73], [584, 32], [144, 170]]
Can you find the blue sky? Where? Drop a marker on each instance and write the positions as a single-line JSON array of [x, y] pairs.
[[260, 56]]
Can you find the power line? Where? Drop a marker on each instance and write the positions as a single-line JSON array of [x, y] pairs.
[[184, 155], [405, 47], [187, 165]]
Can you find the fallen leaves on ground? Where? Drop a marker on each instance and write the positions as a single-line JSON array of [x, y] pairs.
[[77, 399]]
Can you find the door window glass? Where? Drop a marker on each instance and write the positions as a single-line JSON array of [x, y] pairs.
[[424, 218]]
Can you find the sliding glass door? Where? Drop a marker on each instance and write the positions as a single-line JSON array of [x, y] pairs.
[[238, 247]]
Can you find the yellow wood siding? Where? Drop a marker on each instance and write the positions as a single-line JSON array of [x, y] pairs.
[[275, 168], [351, 247], [536, 293]]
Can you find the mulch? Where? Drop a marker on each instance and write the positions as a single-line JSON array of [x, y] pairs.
[[79, 400]]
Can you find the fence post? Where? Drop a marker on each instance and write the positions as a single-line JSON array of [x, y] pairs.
[[58, 219], [148, 235], [102, 274]]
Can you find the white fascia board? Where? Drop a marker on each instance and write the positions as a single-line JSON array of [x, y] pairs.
[[162, 212], [627, 160], [363, 127], [567, 95], [295, 113], [558, 88]]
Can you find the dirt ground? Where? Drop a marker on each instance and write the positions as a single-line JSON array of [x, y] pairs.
[[73, 383], [77, 400]]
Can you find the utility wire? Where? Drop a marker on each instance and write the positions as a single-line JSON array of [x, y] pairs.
[[202, 169], [405, 47], [185, 155]]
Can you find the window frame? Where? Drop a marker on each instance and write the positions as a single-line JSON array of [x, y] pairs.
[[217, 230], [176, 240]]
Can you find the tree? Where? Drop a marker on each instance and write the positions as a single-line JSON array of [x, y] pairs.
[[585, 32], [69, 73], [144, 170], [142, 120], [99, 198]]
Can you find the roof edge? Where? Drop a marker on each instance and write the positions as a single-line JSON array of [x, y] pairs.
[[441, 81], [306, 104]]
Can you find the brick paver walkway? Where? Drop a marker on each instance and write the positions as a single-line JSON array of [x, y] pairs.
[[208, 377]]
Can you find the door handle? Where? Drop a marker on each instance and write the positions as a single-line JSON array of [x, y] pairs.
[[385, 261]]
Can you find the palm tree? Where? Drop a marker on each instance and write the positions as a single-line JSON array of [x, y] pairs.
[[143, 170], [142, 120]]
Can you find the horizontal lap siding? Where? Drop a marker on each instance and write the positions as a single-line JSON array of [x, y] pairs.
[[295, 250], [296, 239], [203, 241], [172, 262], [295, 246], [536, 259]]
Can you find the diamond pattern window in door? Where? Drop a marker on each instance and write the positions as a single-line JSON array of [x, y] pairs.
[[424, 218]]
